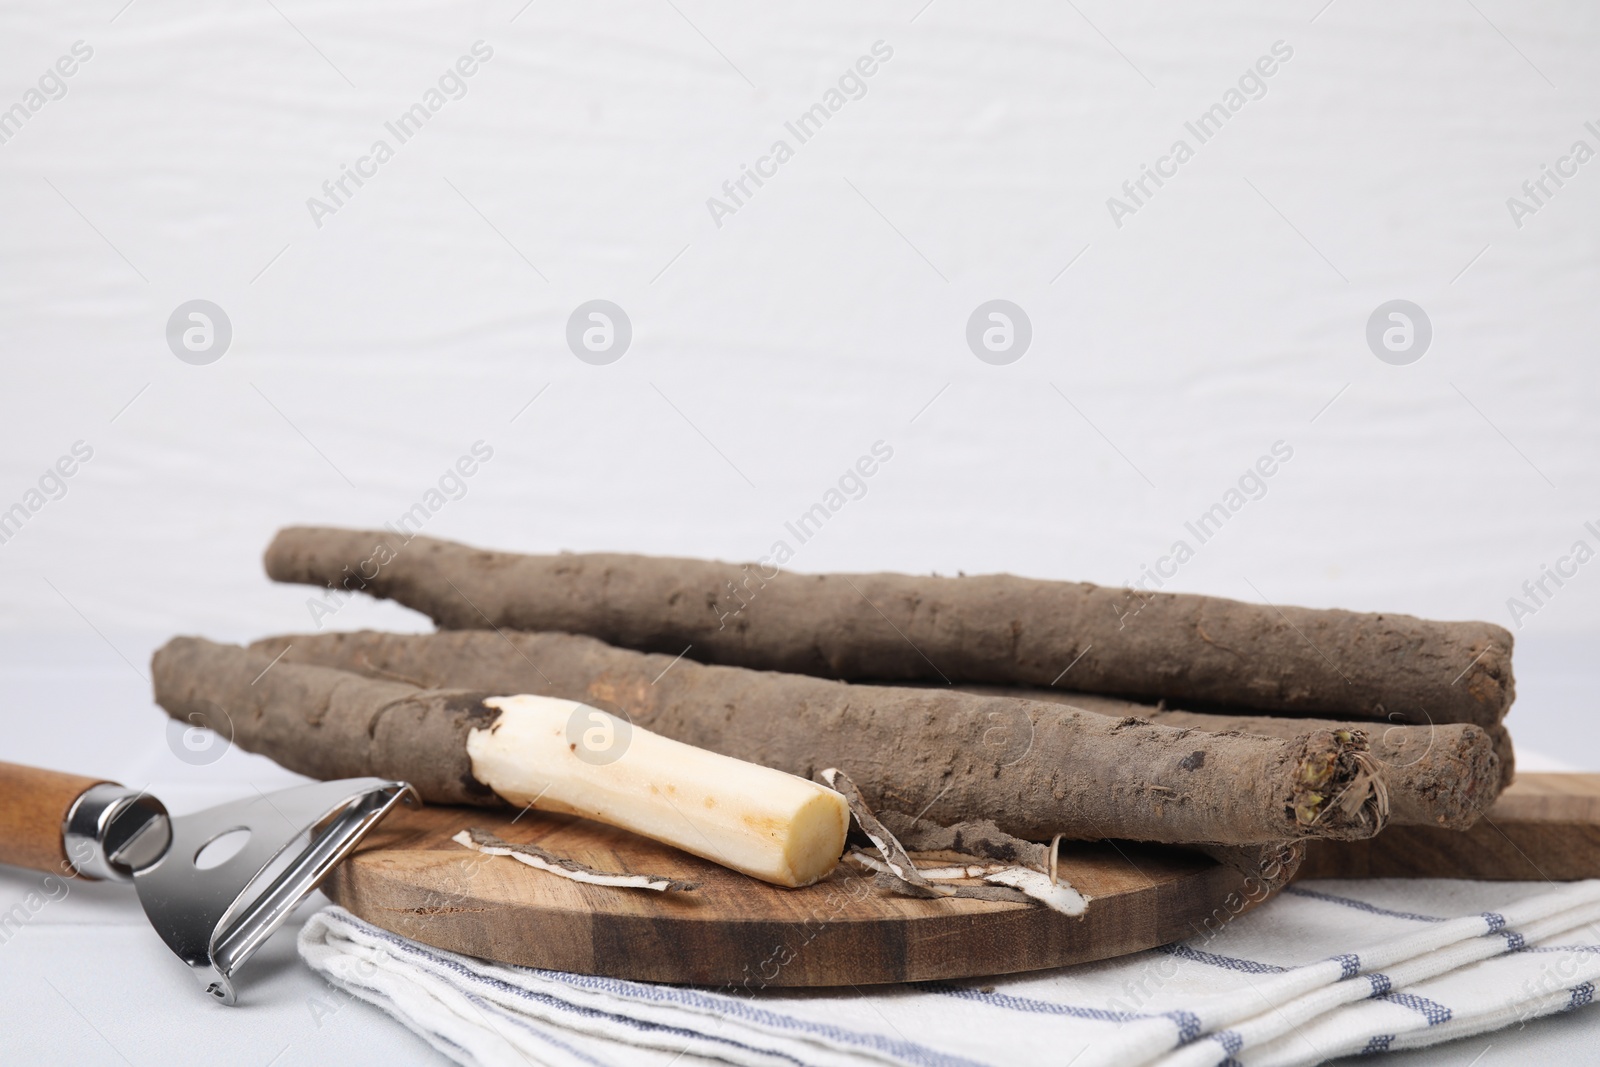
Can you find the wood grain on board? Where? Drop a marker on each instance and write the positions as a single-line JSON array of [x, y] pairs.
[[411, 879], [1543, 827]]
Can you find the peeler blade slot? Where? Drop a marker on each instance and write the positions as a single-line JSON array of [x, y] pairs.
[[216, 918]]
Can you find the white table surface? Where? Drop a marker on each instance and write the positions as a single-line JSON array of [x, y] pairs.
[[87, 980]]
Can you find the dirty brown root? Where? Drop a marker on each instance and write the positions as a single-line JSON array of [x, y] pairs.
[[895, 628], [1445, 775], [1034, 769], [326, 723], [1507, 753]]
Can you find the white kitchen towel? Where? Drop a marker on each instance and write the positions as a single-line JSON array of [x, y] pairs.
[[1326, 969]]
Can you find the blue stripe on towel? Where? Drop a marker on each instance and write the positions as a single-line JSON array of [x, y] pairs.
[[919, 1054], [1581, 995], [745, 1010], [1375, 1044], [1360, 905], [1032, 1006], [586, 1012], [1382, 989], [1431, 1010], [1232, 963], [538, 1032], [1188, 1023], [1349, 965]]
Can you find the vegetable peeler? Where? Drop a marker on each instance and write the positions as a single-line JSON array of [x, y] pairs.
[[212, 907]]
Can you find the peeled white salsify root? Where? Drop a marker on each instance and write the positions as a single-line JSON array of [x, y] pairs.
[[540, 859], [564, 756]]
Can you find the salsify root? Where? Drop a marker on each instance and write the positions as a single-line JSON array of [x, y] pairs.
[[892, 627], [1035, 769], [462, 746], [1445, 775]]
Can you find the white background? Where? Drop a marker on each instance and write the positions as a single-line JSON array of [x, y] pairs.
[[828, 313]]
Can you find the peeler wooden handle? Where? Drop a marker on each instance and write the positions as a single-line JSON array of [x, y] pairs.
[[33, 813], [72, 826]]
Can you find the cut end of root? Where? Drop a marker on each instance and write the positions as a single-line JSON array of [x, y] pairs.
[[1338, 791], [817, 831]]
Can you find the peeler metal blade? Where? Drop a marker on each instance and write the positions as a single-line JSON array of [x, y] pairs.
[[216, 916]]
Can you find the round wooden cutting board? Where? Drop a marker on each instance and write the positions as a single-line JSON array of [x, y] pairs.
[[410, 878]]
